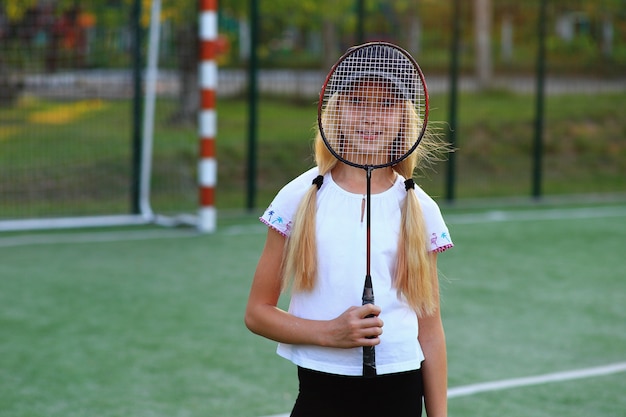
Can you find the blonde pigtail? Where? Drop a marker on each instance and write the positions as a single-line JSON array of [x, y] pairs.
[[300, 257], [300, 260], [414, 268]]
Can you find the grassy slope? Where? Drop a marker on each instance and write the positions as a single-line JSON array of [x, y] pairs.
[[84, 163], [585, 150]]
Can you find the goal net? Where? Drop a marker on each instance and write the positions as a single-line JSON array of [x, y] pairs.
[[77, 147]]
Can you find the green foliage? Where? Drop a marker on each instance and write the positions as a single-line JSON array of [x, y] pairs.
[[15, 9], [287, 29]]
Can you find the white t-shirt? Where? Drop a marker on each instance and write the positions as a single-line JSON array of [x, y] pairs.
[[341, 248]]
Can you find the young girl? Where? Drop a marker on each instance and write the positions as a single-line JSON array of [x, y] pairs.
[[315, 246]]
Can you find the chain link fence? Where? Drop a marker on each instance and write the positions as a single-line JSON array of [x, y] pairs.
[[68, 119]]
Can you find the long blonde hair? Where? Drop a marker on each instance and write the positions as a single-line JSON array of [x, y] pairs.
[[414, 268]]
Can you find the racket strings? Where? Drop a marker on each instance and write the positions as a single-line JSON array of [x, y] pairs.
[[373, 106]]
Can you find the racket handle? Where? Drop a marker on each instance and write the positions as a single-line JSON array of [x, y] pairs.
[[369, 361], [369, 353], [368, 291]]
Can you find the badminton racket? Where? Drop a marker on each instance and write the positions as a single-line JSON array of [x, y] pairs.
[[372, 113]]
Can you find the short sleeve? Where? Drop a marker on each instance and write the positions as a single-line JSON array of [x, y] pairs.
[[280, 213], [437, 230]]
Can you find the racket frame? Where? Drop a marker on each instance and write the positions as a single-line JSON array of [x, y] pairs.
[[321, 101]]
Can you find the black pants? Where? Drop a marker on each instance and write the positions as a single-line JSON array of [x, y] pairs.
[[327, 395]]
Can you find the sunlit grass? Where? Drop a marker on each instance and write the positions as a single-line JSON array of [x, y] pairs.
[[90, 148]]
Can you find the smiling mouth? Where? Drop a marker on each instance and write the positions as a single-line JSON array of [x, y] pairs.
[[369, 135]]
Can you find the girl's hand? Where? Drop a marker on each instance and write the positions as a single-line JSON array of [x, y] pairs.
[[353, 328]]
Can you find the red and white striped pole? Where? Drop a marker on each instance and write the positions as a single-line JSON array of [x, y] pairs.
[[207, 169]]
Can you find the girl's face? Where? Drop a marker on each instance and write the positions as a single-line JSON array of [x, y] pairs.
[[371, 117]]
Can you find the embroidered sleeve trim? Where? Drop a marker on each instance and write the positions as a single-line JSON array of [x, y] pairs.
[[282, 232], [443, 248]]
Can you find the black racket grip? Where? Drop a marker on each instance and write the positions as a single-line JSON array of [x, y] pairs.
[[369, 353], [369, 361], [368, 291]]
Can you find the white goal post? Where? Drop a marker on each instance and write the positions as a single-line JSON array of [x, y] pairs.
[[204, 220]]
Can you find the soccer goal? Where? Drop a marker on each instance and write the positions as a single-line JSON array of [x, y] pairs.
[[78, 146]]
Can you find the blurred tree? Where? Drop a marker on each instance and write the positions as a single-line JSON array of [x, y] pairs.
[[310, 30], [300, 18], [16, 9], [482, 29], [410, 22]]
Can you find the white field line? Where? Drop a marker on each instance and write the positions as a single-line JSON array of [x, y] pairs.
[[472, 389], [93, 237], [490, 217], [537, 380], [473, 218], [536, 215]]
